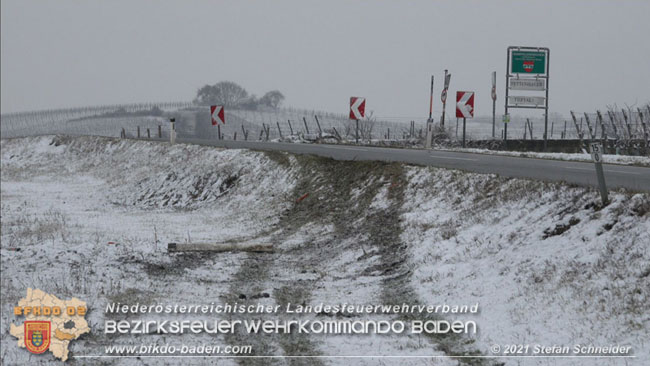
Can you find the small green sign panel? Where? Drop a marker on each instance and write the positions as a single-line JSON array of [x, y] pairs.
[[528, 62]]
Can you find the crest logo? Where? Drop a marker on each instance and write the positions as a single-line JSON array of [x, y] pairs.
[[528, 65], [37, 335]]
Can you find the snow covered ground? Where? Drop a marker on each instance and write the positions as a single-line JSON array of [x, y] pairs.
[[546, 264]]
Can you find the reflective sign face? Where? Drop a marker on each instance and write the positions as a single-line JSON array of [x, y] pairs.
[[218, 115], [596, 152], [527, 62], [464, 104], [527, 84], [357, 108], [514, 101]]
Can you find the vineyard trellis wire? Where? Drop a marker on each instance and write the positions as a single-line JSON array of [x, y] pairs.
[[617, 127]]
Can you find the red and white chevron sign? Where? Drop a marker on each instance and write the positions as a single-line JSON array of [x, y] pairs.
[[218, 114], [357, 108], [464, 104]]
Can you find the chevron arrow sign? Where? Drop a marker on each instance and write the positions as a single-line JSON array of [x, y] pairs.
[[218, 114], [464, 104], [357, 108]]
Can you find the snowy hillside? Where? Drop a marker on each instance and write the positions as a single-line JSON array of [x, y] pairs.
[[91, 217]]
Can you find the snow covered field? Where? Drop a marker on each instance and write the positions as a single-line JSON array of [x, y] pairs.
[[547, 265]]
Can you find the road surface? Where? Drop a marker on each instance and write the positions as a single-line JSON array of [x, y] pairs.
[[581, 173]]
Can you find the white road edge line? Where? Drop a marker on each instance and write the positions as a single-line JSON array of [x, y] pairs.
[[620, 171], [448, 157], [572, 168], [345, 148]]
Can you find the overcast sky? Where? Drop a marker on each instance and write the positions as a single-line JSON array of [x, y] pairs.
[[318, 53]]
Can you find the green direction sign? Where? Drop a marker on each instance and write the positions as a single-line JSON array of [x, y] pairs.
[[528, 62]]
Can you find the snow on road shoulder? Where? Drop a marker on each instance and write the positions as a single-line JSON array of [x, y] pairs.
[[607, 158], [544, 263]]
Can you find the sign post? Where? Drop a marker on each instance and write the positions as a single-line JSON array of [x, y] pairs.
[[464, 107], [218, 116], [357, 111], [597, 156], [494, 100], [443, 97], [528, 69], [427, 143]]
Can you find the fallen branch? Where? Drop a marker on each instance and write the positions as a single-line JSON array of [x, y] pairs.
[[217, 247]]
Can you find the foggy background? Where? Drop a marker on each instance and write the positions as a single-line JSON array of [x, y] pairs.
[[62, 53]]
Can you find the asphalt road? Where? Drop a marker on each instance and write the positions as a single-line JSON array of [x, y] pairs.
[[581, 173]]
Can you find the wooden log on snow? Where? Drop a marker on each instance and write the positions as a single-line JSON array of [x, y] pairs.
[[219, 247]]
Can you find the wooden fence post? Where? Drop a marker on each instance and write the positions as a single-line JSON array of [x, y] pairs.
[[290, 128], [320, 132]]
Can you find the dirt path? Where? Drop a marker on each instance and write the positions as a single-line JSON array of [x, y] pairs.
[[339, 195]]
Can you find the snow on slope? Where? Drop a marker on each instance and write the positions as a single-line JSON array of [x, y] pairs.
[[545, 263]]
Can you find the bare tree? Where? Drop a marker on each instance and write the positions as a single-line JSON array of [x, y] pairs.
[[272, 99], [225, 93]]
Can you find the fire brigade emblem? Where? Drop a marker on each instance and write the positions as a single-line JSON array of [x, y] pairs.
[[37, 336]]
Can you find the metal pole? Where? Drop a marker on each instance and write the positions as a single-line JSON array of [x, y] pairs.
[[357, 131], [463, 131], [494, 101], [444, 104], [431, 100], [427, 143], [306, 127], [548, 76], [505, 127]]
